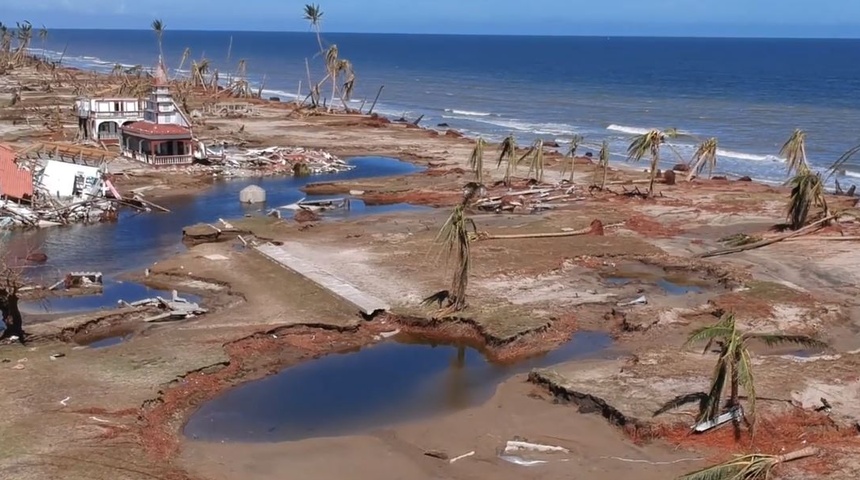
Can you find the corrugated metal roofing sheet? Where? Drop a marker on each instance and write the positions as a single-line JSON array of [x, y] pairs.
[[15, 182]]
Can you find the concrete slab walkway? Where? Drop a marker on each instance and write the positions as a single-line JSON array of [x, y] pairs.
[[366, 303]]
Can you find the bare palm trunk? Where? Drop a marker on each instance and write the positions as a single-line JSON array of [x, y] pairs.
[[655, 160]]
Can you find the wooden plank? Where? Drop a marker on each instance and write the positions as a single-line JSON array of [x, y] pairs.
[[366, 303]]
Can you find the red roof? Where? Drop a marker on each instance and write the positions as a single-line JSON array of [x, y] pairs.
[[15, 182], [150, 129]]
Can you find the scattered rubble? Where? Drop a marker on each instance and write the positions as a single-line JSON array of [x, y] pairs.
[[274, 160], [177, 308]]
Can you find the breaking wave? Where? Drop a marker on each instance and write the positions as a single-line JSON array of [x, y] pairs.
[[468, 113], [749, 156], [628, 130]]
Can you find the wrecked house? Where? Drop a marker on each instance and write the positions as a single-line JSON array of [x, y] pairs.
[[54, 184], [100, 119], [163, 137], [16, 182]]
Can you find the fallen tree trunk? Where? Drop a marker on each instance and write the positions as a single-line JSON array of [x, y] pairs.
[[763, 243], [596, 228]]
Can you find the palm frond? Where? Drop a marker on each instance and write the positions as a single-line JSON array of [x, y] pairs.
[[710, 409], [507, 150], [681, 400], [647, 144], [794, 152], [603, 162], [748, 467], [454, 236], [807, 190], [313, 14], [476, 160], [837, 165], [745, 380], [776, 339]]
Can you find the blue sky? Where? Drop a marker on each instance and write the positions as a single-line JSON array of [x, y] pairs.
[[781, 18]]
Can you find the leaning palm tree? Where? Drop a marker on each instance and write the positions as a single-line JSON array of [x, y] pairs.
[[704, 156], [575, 142], [158, 28], [794, 152], [507, 153], [748, 467], [647, 144], [536, 163], [454, 238], [345, 74], [733, 368], [185, 54], [313, 14], [476, 160]]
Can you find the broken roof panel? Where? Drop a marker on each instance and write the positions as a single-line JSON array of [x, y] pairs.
[[15, 182]]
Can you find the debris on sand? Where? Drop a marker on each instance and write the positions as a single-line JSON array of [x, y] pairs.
[[277, 160], [177, 308]]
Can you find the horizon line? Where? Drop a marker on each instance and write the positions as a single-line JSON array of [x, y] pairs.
[[712, 37]]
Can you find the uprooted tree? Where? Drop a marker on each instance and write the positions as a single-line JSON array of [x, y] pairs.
[[733, 368]]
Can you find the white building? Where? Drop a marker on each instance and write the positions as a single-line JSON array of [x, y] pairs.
[[100, 119]]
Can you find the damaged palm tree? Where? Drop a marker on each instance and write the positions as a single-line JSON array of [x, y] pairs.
[[807, 186], [648, 145], [733, 368], [24, 32], [535, 152], [575, 142], [603, 163], [507, 154], [748, 467], [454, 238], [704, 156], [158, 29], [476, 160]]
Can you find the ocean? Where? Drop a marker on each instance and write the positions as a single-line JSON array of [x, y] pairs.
[[750, 93]]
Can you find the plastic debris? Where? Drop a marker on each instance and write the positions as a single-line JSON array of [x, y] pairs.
[[638, 301], [467, 454]]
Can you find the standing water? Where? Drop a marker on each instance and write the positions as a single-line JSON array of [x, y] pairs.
[[349, 393], [137, 240]]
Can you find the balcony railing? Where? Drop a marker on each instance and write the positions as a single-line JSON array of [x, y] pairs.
[[108, 136], [159, 160], [126, 114]]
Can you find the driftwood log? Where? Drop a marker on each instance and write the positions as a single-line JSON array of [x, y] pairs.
[[763, 243]]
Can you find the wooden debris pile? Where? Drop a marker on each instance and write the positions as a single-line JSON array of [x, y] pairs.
[[529, 200], [299, 161]]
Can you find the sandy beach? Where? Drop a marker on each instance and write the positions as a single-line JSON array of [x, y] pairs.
[[119, 412]]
